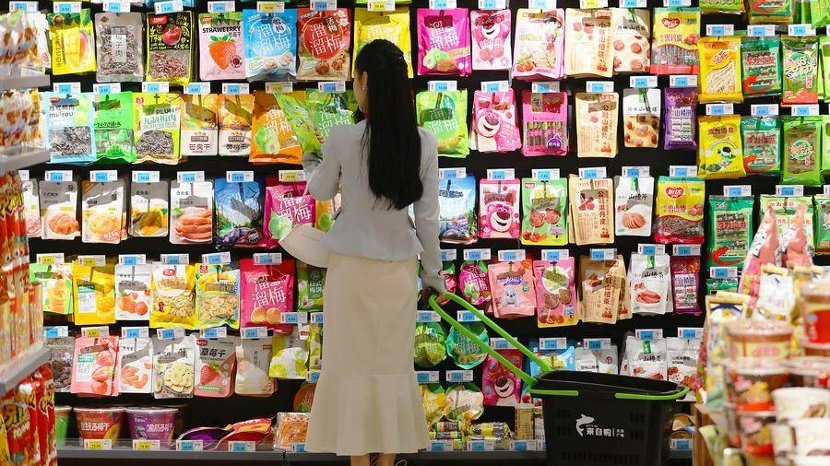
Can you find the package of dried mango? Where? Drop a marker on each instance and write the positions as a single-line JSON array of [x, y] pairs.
[[217, 295], [73, 42], [94, 292], [389, 25], [57, 286], [173, 296]]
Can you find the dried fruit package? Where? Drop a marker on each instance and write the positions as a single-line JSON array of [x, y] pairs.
[[61, 361], [191, 212], [499, 209], [173, 296], [444, 42], [300, 120], [465, 352], [491, 39], [59, 209], [31, 208], [217, 296], [56, 280], [120, 47], [174, 367], [649, 284], [596, 124], [114, 139], [135, 365], [494, 122], [103, 212], [679, 212], [235, 121], [286, 205], [544, 203], [457, 222], [239, 211], [800, 70], [270, 45], [390, 25], [730, 230], [149, 209], [170, 47], [540, 44], [430, 344], [200, 124], [328, 110], [267, 292], [73, 42], [641, 117], [324, 40], [310, 283], [761, 66], [445, 114], [590, 49], [602, 285], [633, 205], [94, 294], [822, 220], [215, 367], [273, 139], [473, 283], [555, 293], [157, 120], [253, 358], [632, 40], [674, 41], [221, 46], [762, 145], [801, 163], [685, 273], [71, 128], [94, 369], [720, 71], [681, 118], [591, 210], [720, 153], [289, 356], [544, 123], [133, 288], [824, 48]]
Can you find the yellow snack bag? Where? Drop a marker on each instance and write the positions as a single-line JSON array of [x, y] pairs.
[[73, 42], [173, 296], [94, 292], [390, 25], [720, 70], [217, 295], [720, 151]]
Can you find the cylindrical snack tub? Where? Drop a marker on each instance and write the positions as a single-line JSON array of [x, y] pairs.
[[750, 382], [816, 312], [733, 433], [810, 371], [801, 403], [759, 339], [783, 443], [62, 416], [152, 424], [97, 423], [816, 349], [812, 437], [756, 437]]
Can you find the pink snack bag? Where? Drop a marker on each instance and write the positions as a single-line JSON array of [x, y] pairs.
[[513, 292], [540, 45], [499, 209], [221, 46], [555, 293], [494, 122], [215, 367], [500, 386], [95, 366], [491, 40], [473, 284], [544, 123], [267, 292], [286, 205], [444, 42]]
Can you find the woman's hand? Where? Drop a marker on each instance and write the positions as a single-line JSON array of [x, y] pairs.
[[440, 297]]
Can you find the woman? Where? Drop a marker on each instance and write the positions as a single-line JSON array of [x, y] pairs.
[[367, 400]]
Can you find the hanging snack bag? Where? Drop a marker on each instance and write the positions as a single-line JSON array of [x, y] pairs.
[[591, 211], [802, 151], [73, 42], [215, 366], [253, 358], [786, 208], [286, 205], [602, 285], [103, 214], [491, 39], [590, 43], [170, 47], [679, 213], [641, 117], [499, 208], [540, 44], [328, 109], [674, 41], [544, 203], [445, 114], [685, 271], [649, 284], [273, 139], [502, 387], [267, 292], [94, 294], [633, 205], [221, 46], [61, 357], [771, 11], [494, 122], [466, 353], [544, 123], [135, 365], [157, 120], [720, 71], [120, 50], [59, 209], [133, 291], [682, 358], [149, 209], [681, 118], [173, 296], [800, 70], [200, 124], [730, 230], [450, 276], [71, 120], [217, 296], [762, 145], [457, 222], [761, 66], [174, 367], [239, 211], [270, 45], [191, 212], [31, 208], [512, 289], [430, 344], [114, 127], [720, 153], [324, 39], [596, 124], [289, 356], [390, 25], [300, 120], [473, 283], [822, 236], [824, 48], [310, 283], [444, 42], [94, 369], [56, 280], [647, 358], [235, 120], [632, 37], [555, 293]]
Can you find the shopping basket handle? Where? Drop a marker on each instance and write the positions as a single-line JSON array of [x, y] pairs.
[[526, 378]]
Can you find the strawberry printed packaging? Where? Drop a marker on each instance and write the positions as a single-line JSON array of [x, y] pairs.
[[540, 45], [494, 122], [94, 366], [221, 46], [215, 367], [444, 42], [324, 39], [491, 40], [555, 293], [499, 208]]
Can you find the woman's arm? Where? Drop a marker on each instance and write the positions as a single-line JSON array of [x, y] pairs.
[[323, 175], [426, 221]]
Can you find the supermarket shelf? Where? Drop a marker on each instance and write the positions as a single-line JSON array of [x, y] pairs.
[[78, 453], [471, 456], [24, 81], [16, 158], [22, 367]]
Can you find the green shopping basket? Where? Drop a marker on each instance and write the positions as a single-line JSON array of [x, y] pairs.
[[590, 419]]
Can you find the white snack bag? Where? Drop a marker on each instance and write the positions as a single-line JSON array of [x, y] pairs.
[[633, 205], [253, 358], [647, 358], [135, 365], [649, 279]]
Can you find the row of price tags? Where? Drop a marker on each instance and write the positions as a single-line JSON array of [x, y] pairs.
[[204, 88], [765, 110], [152, 176], [440, 446]]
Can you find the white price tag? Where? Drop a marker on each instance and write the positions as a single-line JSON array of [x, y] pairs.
[[50, 258], [58, 175], [458, 172], [316, 317], [312, 376], [189, 445], [293, 318], [804, 110], [61, 331], [427, 316], [235, 88], [685, 80], [492, 4], [495, 86], [190, 177], [380, 5], [155, 87], [239, 176], [106, 88], [291, 176], [651, 249], [555, 255], [95, 332], [720, 109], [553, 344], [683, 171], [448, 255], [591, 4], [117, 6], [744, 190], [98, 444], [170, 333], [281, 87], [545, 5], [66, 7], [442, 4], [690, 333], [763, 110], [221, 7], [102, 176], [677, 3], [323, 5], [723, 272], [175, 259], [145, 177], [459, 376], [23, 174], [442, 86], [427, 377], [253, 333], [592, 173], [170, 6], [466, 316], [720, 30], [545, 174], [789, 190], [26, 7], [760, 30], [332, 87], [801, 30], [603, 254], [545, 87], [480, 445], [267, 258], [500, 344], [648, 334], [524, 445], [501, 174], [146, 445], [67, 88], [214, 333], [636, 172], [826, 190], [270, 7], [94, 260], [599, 86], [242, 446], [132, 259], [510, 255], [478, 254], [217, 258], [643, 81], [596, 343], [197, 88]]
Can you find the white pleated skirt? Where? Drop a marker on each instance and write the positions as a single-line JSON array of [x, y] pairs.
[[367, 399]]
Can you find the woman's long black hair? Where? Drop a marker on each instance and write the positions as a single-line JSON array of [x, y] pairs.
[[392, 139]]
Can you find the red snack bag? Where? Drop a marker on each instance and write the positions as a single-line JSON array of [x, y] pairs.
[[685, 271], [19, 426], [46, 413], [93, 371], [267, 292]]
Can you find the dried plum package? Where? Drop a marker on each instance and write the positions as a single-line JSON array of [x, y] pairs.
[[273, 139], [730, 230], [120, 47], [300, 120], [802, 151], [239, 212], [324, 39], [235, 119], [200, 124], [328, 110], [445, 114], [444, 42], [157, 120], [681, 118], [270, 45], [149, 209], [71, 128], [762, 145], [170, 47], [114, 127], [761, 66]]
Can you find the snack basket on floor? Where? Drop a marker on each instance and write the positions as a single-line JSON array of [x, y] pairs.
[[591, 419]]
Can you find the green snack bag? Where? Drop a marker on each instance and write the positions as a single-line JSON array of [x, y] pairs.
[[732, 7], [800, 68], [762, 145], [310, 283], [761, 66], [822, 223], [114, 127], [157, 125], [802, 151], [329, 109], [730, 230], [445, 114], [545, 207], [300, 122], [430, 344], [56, 281], [466, 353], [784, 208], [713, 285]]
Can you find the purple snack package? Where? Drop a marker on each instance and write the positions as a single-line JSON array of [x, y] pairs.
[[680, 118], [152, 424], [684, 276], [444, 42], [473, 283]]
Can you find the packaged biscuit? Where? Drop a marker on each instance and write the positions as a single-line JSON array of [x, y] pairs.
[[596, 124], [324, 38], [103, 212], [221, 46], [641, 117], [674, 41], [589, 35], [720, 153], [200, 124], [173, 296], [270, 45], [59, 209], [133, 291], [149, 209], [632, 40], [94, 294], [217, 296], [390, 25], [591, 210], [157, 120], [762, 144], [170, 47], [73, 42], [761, 66], [120, 47], [679, 211], [720, 71]]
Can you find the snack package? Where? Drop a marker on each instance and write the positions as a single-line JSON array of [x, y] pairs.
[[589, 35], [170, 47], [252, 360], [94, 294], [591, 210], [632, 40], [450, 276], [239, 211], [267, 292], [120, 47], [473, 283], [764, 250], [730, 230], [390, 25], [221, 46], [512, 289], [324, 39], [445, 114], [457, 222], [761, 137], [603, 361], [720, 153], [289, 356], [149, 209], [682, 359], [491, 39], [641, 117], [56, 280], [822, 236], [786, 208], [772, 304], [761, 66], [732, 7], [135, 365], [434, 400], [681, 118], [217, 296], [200, 124], [328, 109], [103, 214], [59, 209], [646, 358], [801, 162], [685, 273], [191, 209], [602, 289], [633, 205], [114, 127], [286, 205], [555, 293], [494, 122], [540, 44], [500, 386], [720, 71], [430, 344], [771, 11], [235, 121], [273, 139], [133, 291], [73, 42], [466, 353], [95, 364], [315, 347], [649, 284], [215, 367], [173, 296], [444, 42], [300, 120], [499, 208], [157, 120], [61, 360], [596, 124], [799, 61], [679, 212], [674, 41], [71, 128], [544, 123], [544, 203], [174, 367], [270, 45], [19, 431], [291, 429], [31, 208], [310, 283], [824, 45]]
